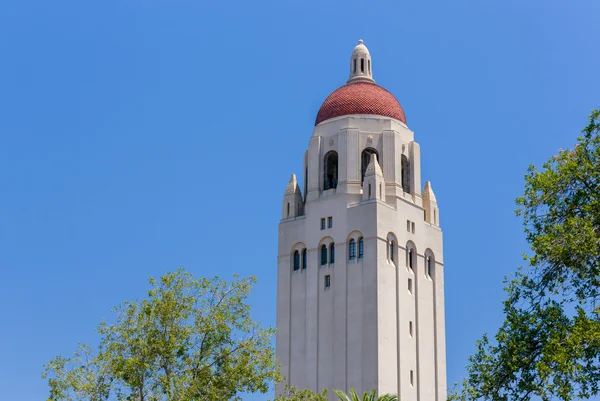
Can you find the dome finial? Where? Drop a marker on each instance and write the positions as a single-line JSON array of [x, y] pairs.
[[360, 64]]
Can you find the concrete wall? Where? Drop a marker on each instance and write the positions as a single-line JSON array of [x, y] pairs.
[[356, 332]]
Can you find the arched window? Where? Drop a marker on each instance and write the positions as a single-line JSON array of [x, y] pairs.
[[392, 245], [352, 249], [361, 248], [429, 265], [323, 255], [296, 260], [304, 258], [365, 158], [332, 253], [330, 177], [410, 258], [405, 174]]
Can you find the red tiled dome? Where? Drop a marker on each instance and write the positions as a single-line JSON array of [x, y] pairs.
[[360, 98]]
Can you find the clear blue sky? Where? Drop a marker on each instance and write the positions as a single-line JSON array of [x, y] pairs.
[[140, 136]]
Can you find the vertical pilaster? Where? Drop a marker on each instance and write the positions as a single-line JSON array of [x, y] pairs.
[[314, 168]]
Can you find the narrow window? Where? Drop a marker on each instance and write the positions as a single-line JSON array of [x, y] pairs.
[[369, 67], [412, 226], [362, 65], [410, 329], [434, 217], [288, 215], [332, 253], [410, 285], [429, 266], [408, 225], [322, 223], [392, 250], [369, 191], [361, 248], [327, 281], [330, 222], [323, 255], [304, 258], [352, 250], [380, 192], [355, 66], [412, 378], [330, 177], [296, 260], [410, 259]]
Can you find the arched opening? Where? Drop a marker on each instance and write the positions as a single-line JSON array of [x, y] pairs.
[[429, 264], [410, 257], [332, 253], [361, 248], [330, 177], [323, 255], [304, 258], [352, 249], [405, 174], [365, 158], [392, 248], [296, 260]]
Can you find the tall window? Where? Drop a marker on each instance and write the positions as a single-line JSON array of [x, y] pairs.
[[329, 222], [361, 248], [365, 158], [405, 174], [429, 265], [411, 254], [323, 255], [304, 258], [323, 223], [327, 281], [296, 260], [392, 246], [330, 178], [332, 253], [352, 250]]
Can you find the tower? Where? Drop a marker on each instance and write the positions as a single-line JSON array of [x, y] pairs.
[[360, 288]]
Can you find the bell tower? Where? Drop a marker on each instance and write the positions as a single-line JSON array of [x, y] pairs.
[[360, 287]]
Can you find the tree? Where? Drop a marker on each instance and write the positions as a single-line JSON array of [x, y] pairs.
[[549, 343], [370, 396], [293, 394], [191, 339]]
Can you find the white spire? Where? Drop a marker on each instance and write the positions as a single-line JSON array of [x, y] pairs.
[[428, 192], [373, 167], [292, 185], [360, 64]]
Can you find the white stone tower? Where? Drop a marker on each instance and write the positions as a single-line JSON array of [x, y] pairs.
[[360, 290]]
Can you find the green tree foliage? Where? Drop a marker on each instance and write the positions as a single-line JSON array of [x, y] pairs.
[[370, 396], [191, 339], [549, 343], [293, 394]]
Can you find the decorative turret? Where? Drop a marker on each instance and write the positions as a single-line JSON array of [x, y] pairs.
[[432, 214], [292, 200], [360, 64], [374, 185]]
